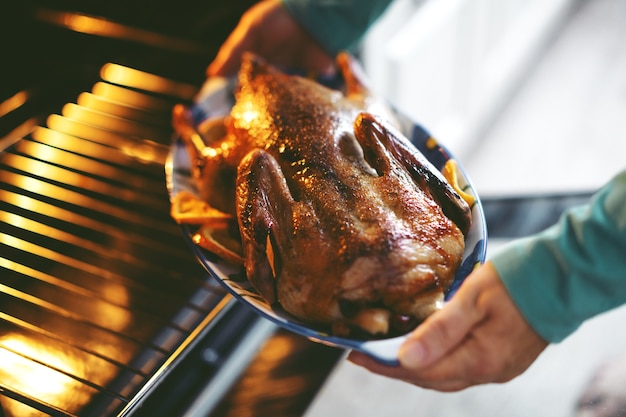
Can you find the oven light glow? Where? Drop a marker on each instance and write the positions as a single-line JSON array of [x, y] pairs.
[[121, 75], [33, 376], [38, 371], [14, 102], [85, 24]]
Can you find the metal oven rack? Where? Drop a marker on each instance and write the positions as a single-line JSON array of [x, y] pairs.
[[104, 311], [98, 292]]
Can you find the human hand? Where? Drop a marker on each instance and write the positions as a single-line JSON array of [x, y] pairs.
[[268, 30], [478, 337]]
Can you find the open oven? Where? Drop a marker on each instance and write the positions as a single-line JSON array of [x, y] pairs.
[[104, 311]]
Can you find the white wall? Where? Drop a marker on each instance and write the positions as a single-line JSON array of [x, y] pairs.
[[452, 64]]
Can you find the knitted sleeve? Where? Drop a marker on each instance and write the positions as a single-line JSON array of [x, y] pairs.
[[573, 270], [336, 24]]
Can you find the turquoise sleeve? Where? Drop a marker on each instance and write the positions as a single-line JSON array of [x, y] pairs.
[[336, 24], [573, 270]]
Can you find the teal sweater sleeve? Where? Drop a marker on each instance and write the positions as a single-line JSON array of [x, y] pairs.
[[573, 270], [336, 24]]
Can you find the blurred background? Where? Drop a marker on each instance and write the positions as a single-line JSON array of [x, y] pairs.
[[531, 97], [494, 79]]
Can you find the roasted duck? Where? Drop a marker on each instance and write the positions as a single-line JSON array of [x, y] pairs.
[[341, 220]]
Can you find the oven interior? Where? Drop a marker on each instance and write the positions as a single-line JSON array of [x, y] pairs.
[[104, 311]]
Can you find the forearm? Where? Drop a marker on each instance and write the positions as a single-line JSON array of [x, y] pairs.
[[574, 270], [336, 25]]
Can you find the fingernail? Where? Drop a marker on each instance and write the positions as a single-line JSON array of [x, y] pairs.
[[411, 354]]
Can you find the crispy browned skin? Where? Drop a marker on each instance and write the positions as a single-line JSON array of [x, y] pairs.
[[341, 220]]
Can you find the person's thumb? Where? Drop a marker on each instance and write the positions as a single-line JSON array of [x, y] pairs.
[[440, 333]]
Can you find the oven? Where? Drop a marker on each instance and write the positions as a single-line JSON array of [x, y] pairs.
[[104, 311]]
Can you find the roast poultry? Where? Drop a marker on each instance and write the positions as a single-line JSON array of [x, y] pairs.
[[341, 220]]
